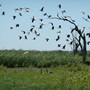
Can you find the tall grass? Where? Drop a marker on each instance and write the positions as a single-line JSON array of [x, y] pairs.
[[13, 58]]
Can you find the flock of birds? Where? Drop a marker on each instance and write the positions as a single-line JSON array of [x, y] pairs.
[[33, 19]]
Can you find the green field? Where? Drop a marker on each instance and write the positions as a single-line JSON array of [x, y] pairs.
[[43, 70]]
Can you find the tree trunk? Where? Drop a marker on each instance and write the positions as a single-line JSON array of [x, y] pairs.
[[84, 50]]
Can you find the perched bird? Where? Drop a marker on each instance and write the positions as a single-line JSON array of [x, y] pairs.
[[3, 13], [33, 19], [42, 9], [59, 6], [17, 25], [14, 17], [23, 32], [0, 5], [58, 37], [20, 37]]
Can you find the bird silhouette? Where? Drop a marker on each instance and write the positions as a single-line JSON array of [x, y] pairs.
[[47, 39], [20, 14], [59, 26], [34, 38], [38, 34], [83, 12], [11, 27], [27, 9], [59, 6], [31, 29], [20, 37], [33, 19], [88, 34], [14, 17], [45, 14], [52, 28], [59, 32], [64, 47], [59, 45], [88, 16], [68, 36], [41, 20], [17, 25], [3, 13], [0, 5], [85, 19], [58, 37], [88, 42], [25, 37], [63, 11], [49, 16], [42, 9], [41, 25], [23, 32]]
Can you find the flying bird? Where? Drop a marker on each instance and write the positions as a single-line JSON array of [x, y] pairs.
[[47, 39], [68, 36], [85, 19], [59, 6], [88, 16], [3, 13], [59, 45], [20, 37], [25, 37], [23, 32], [64, 46], [33, 19], [58, 37], [17, 25], [14, 17], [20, 14], [31, 29], [83, 12], [11, 27], [42, 9], [45, 14], [59, 26]]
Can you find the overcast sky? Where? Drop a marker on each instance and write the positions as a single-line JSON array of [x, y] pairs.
[[9, 38]]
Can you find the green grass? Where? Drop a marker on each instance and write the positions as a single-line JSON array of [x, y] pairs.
[[60, 78], [13, 58], [19, 71]]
